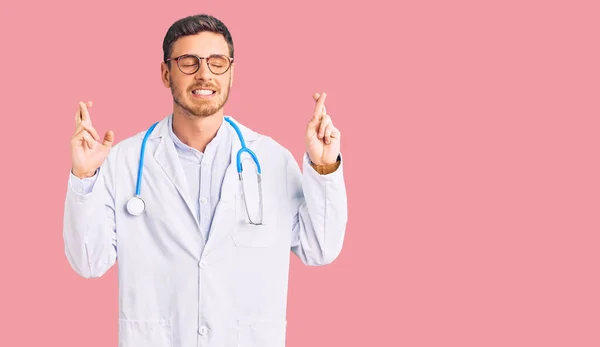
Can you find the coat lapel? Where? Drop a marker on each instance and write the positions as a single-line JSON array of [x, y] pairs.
[[167, 157]]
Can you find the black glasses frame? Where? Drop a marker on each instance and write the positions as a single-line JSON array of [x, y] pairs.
[[230, 60]]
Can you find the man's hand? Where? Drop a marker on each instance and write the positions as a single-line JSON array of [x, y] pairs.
[[87, 152], [322, 138]]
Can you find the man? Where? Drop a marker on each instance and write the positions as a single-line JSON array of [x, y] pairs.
[[203, 257]]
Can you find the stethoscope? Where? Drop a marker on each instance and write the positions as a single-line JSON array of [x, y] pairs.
[[136, 205]]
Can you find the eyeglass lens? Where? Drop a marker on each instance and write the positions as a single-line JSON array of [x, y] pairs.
[[217, 64]]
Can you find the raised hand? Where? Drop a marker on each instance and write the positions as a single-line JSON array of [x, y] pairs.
[[322, 138], [87, 152]]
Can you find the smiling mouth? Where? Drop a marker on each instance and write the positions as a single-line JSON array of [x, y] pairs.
[[203, 92]]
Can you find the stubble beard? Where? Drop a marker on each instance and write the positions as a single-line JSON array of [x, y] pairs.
[[198, 108]]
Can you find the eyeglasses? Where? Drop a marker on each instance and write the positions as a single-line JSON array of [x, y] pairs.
[[190, 63]]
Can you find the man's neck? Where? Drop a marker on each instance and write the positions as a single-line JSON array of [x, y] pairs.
[[194, 131]]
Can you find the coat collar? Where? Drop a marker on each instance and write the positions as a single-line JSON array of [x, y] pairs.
[[162, 129]]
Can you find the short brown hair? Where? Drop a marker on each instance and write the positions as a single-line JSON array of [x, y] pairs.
[[193, 25]]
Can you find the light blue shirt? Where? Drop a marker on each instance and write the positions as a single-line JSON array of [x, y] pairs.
[[204, 172]]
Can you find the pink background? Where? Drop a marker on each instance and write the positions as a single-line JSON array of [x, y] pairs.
[[470, 134]]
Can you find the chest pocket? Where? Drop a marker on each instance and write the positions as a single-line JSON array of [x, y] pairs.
[[247, 234]]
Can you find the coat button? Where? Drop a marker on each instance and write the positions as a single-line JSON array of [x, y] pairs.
[[202, 264], [202, 331]]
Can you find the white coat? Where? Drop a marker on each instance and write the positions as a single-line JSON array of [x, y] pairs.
[[175, 289]]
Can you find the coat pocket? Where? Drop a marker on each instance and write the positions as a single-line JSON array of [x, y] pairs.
[[261, 333], [147, 333], [246, 234], [249, 235]]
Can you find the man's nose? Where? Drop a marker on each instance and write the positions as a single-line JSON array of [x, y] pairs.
[[203, 71]]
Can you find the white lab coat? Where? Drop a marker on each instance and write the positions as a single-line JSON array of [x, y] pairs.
[[175, 290]]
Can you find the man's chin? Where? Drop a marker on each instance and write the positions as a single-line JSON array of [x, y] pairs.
[[203, 111], [197, 109]]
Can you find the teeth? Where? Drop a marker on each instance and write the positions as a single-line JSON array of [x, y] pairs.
[[203, 92]]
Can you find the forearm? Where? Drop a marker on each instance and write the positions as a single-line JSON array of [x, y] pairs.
[[320, 222], [88, 227]]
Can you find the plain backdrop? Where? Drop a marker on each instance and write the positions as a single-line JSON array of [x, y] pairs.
[[470, 139]]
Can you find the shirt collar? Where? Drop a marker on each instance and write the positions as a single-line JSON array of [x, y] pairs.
[[210, 147]]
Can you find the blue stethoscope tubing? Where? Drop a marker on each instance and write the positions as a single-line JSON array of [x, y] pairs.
[[239, 170], [243, 149], [141, 165], [136, 205]]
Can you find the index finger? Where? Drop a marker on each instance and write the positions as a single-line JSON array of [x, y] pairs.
[[320, 108], [78, 115], [85, 115]]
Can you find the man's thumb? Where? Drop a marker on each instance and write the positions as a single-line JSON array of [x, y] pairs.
[[109, 138]]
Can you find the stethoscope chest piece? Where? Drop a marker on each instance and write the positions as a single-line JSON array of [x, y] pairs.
[[136, 206]]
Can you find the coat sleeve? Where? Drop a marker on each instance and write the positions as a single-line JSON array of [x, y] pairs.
[[89, 227], [320, 209]]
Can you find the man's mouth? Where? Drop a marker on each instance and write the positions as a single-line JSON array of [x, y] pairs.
[[203, 92]]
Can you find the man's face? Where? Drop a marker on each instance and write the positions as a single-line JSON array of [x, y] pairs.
[[183, 86]]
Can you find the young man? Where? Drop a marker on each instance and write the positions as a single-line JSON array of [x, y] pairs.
[[203, 248]]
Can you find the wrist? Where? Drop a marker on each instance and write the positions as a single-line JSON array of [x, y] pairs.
[[82, 175], [326, 168], [321, 163]]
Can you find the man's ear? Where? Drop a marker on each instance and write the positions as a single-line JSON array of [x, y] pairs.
[[165, 74], [231, 79]]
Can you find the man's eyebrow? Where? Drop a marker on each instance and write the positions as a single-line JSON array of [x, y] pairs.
[[191, 53]]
